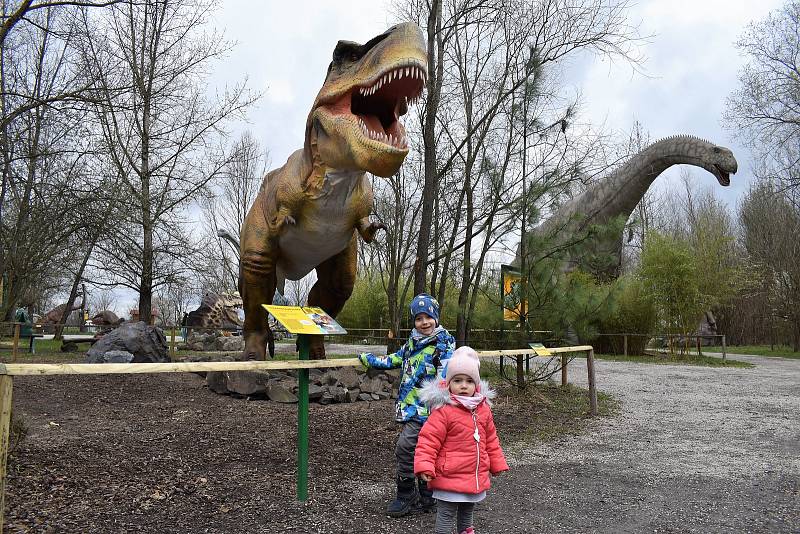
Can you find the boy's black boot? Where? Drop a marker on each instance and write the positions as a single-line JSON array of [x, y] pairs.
[[426, 502], [406, 498]]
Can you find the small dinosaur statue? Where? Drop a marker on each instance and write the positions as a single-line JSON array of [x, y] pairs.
[[54, 315], [617, 194], [307, 212]]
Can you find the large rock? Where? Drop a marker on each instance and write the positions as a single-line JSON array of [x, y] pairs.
[[230, 343], [146, 343], [117, 356], [239, 383], [325, 387], [348, 377], [279, 393]]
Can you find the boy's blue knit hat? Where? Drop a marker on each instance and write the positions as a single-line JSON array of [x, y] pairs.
[[424, 303]]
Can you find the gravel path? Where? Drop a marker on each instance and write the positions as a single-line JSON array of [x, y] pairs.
[[695, 449]]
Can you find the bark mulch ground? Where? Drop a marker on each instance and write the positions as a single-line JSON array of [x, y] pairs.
[[162, 453]]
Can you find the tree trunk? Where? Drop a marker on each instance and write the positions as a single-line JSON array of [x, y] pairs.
[[146, 286], [435, 72], [73, 294]]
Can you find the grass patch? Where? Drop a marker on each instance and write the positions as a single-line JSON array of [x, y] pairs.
[[704, 361], [545, 411], [780, 351]]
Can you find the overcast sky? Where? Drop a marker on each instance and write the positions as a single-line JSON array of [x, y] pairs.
[[283, 49], [691, 66]]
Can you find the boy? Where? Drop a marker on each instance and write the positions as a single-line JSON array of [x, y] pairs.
[[421, 358]]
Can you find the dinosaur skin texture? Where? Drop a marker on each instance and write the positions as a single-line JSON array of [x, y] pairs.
[[618, 193], [308, 212]]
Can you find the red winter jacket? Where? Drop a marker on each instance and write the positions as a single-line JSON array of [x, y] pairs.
[[448, 451]]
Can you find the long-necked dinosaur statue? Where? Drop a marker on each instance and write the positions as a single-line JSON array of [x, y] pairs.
[[617, 194], [307, 212]]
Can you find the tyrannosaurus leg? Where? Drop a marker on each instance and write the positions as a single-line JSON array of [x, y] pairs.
[[335, 279], [257, 287]]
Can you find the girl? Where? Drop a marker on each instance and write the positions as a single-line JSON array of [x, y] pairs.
[[458, 446]]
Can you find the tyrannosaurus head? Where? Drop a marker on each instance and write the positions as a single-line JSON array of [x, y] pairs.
[[355, 118]]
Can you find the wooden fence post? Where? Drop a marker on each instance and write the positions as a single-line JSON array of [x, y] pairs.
[[625, 345], [6, 389], [172, 344], [592, 386], [563, 370], [723, 346]]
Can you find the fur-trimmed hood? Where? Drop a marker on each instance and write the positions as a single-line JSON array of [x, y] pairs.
[[435, 393]]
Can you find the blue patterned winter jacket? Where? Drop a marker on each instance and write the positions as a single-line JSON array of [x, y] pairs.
[[422, 358]]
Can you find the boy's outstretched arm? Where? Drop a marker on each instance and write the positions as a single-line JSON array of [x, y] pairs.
[[391, 361]]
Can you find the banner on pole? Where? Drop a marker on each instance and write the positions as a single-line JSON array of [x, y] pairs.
[[511, 293]]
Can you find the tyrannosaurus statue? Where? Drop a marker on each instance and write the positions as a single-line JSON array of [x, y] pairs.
[[307, 212], [617, 194]]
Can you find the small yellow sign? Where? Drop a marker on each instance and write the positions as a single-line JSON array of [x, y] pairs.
[[540, 349], [305, 320]]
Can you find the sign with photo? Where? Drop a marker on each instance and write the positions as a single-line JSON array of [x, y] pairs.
[[305, 320]]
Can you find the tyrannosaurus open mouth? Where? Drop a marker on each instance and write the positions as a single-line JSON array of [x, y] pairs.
[[377, 105], [380, 104]]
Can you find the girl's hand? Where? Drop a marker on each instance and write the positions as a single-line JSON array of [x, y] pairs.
[[426, 477]]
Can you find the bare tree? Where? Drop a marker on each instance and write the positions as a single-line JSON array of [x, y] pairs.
[[225, 208], [47, 186], [555, 29], [103, 299], [765, 109], [770, 225], [159, 129]]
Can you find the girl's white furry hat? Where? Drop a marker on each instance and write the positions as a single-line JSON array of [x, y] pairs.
[[464, 361]]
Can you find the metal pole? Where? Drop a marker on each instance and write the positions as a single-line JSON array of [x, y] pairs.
[[16, 343], [302, 421], [625, 345]]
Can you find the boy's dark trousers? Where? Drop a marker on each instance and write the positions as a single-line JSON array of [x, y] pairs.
[[408, 498]]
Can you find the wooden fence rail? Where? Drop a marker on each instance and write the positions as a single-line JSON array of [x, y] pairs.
[[10, 370]]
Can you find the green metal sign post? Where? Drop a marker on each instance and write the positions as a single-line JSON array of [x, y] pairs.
[[302, 421], [304, 321]]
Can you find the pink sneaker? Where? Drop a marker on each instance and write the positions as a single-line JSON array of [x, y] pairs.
[[469, 530]]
